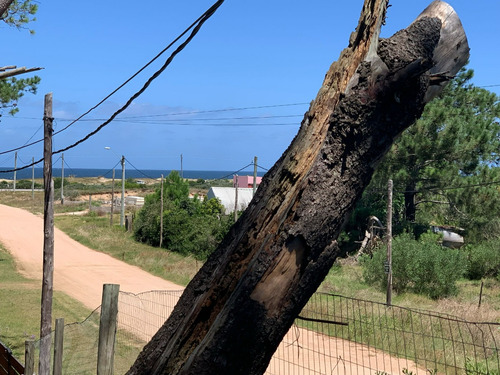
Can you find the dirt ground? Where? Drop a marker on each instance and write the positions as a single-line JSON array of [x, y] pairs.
[[80, 272]]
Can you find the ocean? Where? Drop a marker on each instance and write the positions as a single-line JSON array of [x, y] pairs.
[[129, 173]]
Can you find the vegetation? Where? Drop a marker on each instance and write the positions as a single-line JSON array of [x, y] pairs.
[[445, 168], [18, 15], [422, 267], [20, 307], [190, 226]]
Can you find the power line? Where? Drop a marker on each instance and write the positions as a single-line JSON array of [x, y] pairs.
[[199, 23], [196, 26], [141, 172], [233, 173], [258, 166], [111, 170]]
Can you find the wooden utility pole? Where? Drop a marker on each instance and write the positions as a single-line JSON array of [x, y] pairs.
[[182, 170], [161, 212], [48, 242], [122, 208], [236, 310], [33, 178], [112, 199], [389, 244], [62, 178], [235, 198], [15, 171], [254, 175]]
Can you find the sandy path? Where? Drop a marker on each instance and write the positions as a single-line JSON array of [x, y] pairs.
[[78, 271]]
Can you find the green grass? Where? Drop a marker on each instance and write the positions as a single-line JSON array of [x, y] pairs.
[[20, 306], [96, 233]]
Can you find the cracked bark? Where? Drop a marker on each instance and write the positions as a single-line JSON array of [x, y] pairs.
[[234, 313]]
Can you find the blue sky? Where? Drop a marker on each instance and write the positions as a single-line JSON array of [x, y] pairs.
[[267, 54]]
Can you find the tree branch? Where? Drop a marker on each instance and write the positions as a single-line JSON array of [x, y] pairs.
[[10, 71]]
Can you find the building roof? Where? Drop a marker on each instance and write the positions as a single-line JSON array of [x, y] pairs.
[[226, 196]]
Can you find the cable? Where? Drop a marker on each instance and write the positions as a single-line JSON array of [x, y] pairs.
[[141, 172], [197, 26], [132, 119], [201, 20], [233, 173], [258, 166], [111, 170]]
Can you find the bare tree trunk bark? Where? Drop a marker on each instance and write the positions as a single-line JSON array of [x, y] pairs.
[[234, 313]]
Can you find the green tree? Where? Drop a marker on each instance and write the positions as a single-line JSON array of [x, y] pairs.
[[446, 166], [190, 226], [17, 13]]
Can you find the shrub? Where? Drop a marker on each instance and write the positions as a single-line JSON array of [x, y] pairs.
[[483, 260], [190, 226], [422, 267]]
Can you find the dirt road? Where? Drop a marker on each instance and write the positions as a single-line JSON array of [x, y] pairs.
[[78, 271]]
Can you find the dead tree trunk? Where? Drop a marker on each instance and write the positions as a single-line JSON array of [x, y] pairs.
[[234, 313]]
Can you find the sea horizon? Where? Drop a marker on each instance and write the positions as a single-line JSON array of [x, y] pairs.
[[25, 174]]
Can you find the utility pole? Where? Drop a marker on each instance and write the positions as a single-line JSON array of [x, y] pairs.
[[48, 243], [161, 212], [235, 198], [122, 213], [33, 178], [62, 179], [112, 199], [389, 244], [182, 170], [15, 172], [254, 175]]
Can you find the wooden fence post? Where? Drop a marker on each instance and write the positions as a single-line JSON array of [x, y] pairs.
[[29, 357], [107, 329], [58, 346]]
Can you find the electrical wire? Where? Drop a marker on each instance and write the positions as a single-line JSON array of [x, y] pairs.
[[111, 170], [233, 173], [198, 24], [141, 172], [266, 169]]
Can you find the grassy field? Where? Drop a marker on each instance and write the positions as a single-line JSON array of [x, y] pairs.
[[20, 306]]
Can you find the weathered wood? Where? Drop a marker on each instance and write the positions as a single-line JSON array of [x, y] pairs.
[[388, 300], [107, 329], [48, 243], [58, 346], [9, 365], [235, 311], [29, 357], [17, 71]]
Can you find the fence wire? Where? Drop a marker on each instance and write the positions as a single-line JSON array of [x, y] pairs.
[[332, 335]]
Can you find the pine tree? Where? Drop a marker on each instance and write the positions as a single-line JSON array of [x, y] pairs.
[[17, 13], [447, 164]]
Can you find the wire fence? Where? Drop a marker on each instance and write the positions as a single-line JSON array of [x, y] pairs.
[[332, 335]]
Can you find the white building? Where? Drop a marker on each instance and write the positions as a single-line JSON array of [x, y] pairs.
[[226, 195]]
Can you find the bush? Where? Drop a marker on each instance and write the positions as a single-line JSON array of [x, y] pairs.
[[483, 260], [190, 226], [422, 267]]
